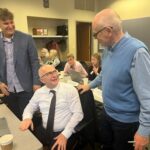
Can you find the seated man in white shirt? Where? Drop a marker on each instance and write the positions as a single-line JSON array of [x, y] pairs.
[[72, 64], [68, 111]]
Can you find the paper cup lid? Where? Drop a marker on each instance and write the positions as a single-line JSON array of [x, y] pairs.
[[6, 139]]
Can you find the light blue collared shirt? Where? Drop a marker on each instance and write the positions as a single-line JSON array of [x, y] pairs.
[[140, 74], [12, 79]]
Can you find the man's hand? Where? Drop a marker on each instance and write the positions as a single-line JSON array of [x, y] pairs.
[[4, 89], [25, 124], [61, 142], [83, 88], [140, 142], [35, 87]]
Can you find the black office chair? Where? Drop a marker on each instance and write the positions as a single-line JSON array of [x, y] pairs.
[[87, 127], [85, 65]]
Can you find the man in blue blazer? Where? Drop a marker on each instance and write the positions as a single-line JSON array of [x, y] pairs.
[[18, 64]]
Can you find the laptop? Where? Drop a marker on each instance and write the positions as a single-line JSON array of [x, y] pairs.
[[76, 76]]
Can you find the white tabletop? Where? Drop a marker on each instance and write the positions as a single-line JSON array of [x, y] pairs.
[[22, 140], [97, 94]]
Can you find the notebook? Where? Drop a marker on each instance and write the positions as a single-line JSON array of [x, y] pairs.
[[76, 76]]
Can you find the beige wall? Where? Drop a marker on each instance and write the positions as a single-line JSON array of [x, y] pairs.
[[128, 9], [58, 9], [64, 9]]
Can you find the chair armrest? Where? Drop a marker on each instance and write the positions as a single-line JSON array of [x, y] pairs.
[[82, 125]]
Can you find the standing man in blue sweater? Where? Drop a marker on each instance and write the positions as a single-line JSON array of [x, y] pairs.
[[125, 80]]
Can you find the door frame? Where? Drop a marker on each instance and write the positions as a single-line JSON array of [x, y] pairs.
[[91, 39]]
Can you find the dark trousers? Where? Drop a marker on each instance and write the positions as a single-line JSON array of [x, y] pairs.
[[40, 133], [114, 135], [16, 102]]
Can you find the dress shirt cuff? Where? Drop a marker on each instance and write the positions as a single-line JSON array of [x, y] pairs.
[[144, 131], [67, 133], [27, 116]]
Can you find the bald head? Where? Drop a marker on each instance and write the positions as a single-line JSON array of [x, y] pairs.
[[107, 18], [45, 68], [49, 76]]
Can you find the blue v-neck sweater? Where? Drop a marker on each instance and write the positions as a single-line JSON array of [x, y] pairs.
[[120, 99]]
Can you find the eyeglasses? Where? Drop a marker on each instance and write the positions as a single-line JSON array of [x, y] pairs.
[[49, 73], [95, 34]]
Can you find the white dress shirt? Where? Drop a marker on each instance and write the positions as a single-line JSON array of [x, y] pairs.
[[68, 111]]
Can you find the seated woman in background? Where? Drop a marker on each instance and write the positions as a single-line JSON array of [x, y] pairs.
[[44, 56], [95, 69], [53, 58], [72, 64]]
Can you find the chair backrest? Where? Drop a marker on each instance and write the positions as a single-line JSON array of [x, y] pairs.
[[86, 128], [88, 106], [85, 65], [61, 66]]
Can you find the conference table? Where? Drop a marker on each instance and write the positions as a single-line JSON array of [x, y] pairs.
[[97, 93], [23, 140]]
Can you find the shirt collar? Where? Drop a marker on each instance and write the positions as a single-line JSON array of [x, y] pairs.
[[55, 89], [115, 44], [6, 39]]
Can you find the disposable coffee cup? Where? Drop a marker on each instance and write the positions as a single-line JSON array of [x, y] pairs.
[[61, 76], [6, 142], [62, 73]]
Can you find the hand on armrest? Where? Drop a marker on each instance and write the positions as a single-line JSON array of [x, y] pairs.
[[25, 124], [83, 88], [61, 142]]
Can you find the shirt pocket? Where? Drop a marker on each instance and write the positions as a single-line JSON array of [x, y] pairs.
[[62, 104], [44, 105]]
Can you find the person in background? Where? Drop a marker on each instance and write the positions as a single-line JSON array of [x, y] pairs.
[[68, 111], [72, 64], [44, 56], [53, 58], [125, 119], [95, 68], [18, 64]]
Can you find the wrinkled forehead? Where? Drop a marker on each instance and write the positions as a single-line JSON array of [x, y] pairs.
[[96, 25], [45, 69]]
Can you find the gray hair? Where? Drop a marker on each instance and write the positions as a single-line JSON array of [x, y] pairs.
[[5, 14], [109, 18]]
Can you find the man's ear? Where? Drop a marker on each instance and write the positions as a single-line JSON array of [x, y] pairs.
[[42, 81], [109, 29]]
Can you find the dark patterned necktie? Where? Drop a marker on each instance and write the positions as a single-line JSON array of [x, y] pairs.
[[50, 122]]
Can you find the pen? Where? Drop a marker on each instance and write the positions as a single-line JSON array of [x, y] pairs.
[[131, 142]]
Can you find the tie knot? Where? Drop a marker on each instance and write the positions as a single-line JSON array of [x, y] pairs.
[[52, 91]]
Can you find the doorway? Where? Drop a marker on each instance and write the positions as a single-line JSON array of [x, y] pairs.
[[84, 40]]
